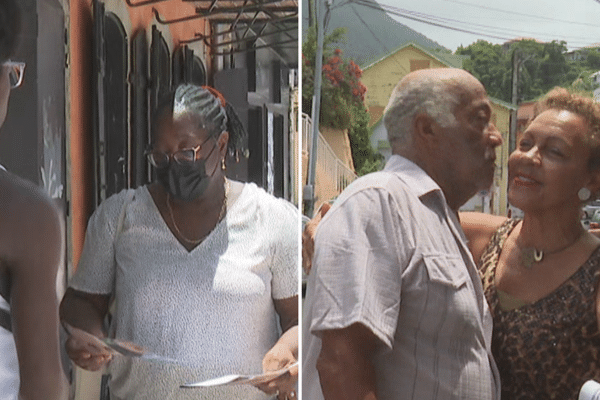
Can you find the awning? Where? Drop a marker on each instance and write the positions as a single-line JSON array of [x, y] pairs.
[[244, 25]]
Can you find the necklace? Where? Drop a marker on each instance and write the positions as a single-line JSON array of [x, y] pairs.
[[531, 255], [221, 215]]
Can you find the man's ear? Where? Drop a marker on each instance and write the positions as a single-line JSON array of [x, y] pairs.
[[424, 128]]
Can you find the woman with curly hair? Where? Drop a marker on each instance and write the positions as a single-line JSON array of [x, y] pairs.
[[541, 272]]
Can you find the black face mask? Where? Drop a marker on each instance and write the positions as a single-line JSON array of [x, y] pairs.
[[186, 182]]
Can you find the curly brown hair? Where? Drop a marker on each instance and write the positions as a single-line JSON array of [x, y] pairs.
[[10, 27], [562, 99]]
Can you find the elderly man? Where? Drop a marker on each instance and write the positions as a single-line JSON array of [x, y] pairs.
[[395, 307]]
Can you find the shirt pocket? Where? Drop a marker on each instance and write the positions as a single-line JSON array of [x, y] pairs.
[[446, 270]]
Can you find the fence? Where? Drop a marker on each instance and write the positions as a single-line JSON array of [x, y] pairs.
[[332, 174]]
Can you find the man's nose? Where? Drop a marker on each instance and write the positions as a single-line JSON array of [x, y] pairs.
[[495, 137]]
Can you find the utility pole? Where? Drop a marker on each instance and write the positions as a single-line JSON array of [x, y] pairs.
[[308, 194], [517, 61], [512, 141]]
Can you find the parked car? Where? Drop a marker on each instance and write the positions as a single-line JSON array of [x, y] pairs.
[[590, 208], [595, 221]]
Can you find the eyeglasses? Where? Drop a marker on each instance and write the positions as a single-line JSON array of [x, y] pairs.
[[16, 70], [184, 156]]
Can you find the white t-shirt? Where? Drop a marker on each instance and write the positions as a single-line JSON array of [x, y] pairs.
[[9, 364], [210, 309]]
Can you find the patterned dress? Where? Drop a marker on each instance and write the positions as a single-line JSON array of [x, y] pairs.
[[550, 348]]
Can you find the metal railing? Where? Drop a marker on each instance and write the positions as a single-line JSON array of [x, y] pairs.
[[336, 172]]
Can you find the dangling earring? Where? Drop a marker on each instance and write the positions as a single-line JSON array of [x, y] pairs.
[[584, 194], [223, 166]]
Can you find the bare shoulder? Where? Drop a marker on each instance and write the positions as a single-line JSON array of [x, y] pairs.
[[27, 216], [479, 229], [23, 198]]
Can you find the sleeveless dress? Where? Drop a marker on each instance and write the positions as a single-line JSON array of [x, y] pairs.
[[9, 364], [547, 349]]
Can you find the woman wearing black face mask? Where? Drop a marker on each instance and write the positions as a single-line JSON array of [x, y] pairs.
[[201, 267]]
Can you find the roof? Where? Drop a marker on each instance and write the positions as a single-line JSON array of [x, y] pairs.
[[503, 103], [448, 59]]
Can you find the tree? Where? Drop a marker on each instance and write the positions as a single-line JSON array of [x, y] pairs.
[[488, 63], [585, 83], [593, 59], [542, 67], [342, 97]]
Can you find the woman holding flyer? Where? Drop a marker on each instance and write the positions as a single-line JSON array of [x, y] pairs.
[[202, 268]]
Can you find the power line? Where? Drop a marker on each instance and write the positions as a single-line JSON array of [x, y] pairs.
[[525, 15], [368, 4], [485, 27], [387, 51], [446, 23], [403, 13]]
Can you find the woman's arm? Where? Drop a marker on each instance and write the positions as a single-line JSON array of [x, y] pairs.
[[284, 352], [479, 229], [85, 311], [38, 249]]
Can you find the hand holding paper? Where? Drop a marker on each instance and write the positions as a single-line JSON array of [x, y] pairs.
[[242, 379], [280, 356], [87, 350], [91, 352]]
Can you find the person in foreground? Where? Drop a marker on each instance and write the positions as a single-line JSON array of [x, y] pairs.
[[541, 273], [395, 307], [30, 254], [201, 267]]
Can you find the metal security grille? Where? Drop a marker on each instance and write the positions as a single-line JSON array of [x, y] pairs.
[[110, 131], [271, 24]]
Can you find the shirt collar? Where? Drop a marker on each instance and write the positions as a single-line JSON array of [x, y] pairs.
[[413, 175]]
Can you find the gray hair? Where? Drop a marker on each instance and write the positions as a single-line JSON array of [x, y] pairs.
[[210, 109], [202, 104], [429, 95]]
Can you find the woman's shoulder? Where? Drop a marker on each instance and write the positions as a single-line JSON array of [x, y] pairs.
[[109, 210], [479, 228], [117, 200], [266, 202], [22, 193]]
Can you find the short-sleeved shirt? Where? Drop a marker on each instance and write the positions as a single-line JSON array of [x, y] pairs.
[[391, 255], [210, 309]]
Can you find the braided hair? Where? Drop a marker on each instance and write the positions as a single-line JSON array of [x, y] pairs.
[[10, 27], [213, 112]]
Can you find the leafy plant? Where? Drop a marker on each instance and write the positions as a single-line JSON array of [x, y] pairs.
[[342, 97]]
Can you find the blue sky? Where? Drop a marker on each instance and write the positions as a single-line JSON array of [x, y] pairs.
[[575, 21]]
